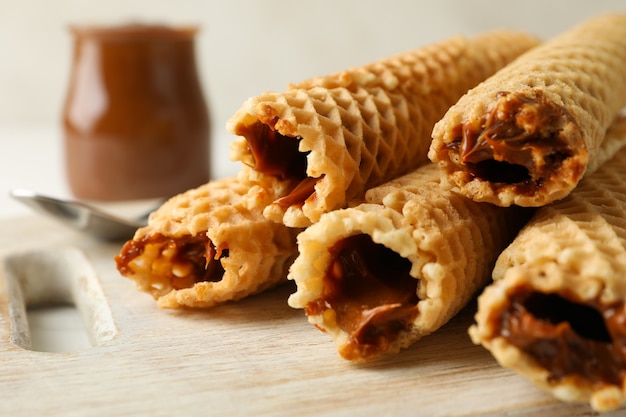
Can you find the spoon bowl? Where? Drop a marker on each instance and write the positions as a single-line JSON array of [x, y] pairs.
[[80, 216]]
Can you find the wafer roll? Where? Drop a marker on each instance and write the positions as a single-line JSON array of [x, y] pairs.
[[379, 276], [331, 138], [556, 313], [527, 134], [209, 245]]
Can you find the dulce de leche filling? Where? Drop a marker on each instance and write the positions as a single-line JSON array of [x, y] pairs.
[[187, 260], [567, 338], [370, 292], [277, 155], [522, 142]]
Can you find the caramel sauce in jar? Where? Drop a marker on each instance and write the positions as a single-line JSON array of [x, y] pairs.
[[135, 120]]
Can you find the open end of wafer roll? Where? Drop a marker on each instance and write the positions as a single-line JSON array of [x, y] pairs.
[[556, 311], [525, 145], [359, 289], [183, 261], [370, 294], [379, 276], [565, 343], [562, 334], [273, 151], [527, 134], [329, 139], [207, 246]]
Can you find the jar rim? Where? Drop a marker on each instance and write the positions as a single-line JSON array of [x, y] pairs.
[[134, 30]]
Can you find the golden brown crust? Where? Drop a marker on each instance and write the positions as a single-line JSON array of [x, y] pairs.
[[364, 126], [209, 245], [556, 310], [526, 135], [445, 244]]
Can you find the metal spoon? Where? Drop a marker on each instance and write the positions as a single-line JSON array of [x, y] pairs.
[[81, 216]]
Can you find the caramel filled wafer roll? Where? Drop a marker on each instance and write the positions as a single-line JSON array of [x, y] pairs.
[[379, 276], [331, 138], [209, 245], [527, 134], [556, 312]]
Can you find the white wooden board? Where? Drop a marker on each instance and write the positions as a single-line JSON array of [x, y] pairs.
[[254, 357]]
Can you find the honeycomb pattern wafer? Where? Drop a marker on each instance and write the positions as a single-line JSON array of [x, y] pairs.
[[527, 134], [556, 312], [209, 245], [329, 139], [379, 276]]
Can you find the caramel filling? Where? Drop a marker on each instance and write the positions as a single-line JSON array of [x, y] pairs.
[[190, 259], [523, 141], [373, 297], [277, 155], [302, 192], [568, 338]]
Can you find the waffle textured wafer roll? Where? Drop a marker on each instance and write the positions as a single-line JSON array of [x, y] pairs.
[[331, 138], [556, 313], [209, 245], [527, 134], [379, 276]]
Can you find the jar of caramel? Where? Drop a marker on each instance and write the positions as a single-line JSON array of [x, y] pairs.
[[135, 120]]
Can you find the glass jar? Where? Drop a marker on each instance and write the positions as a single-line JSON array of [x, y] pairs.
[[135, 120]]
